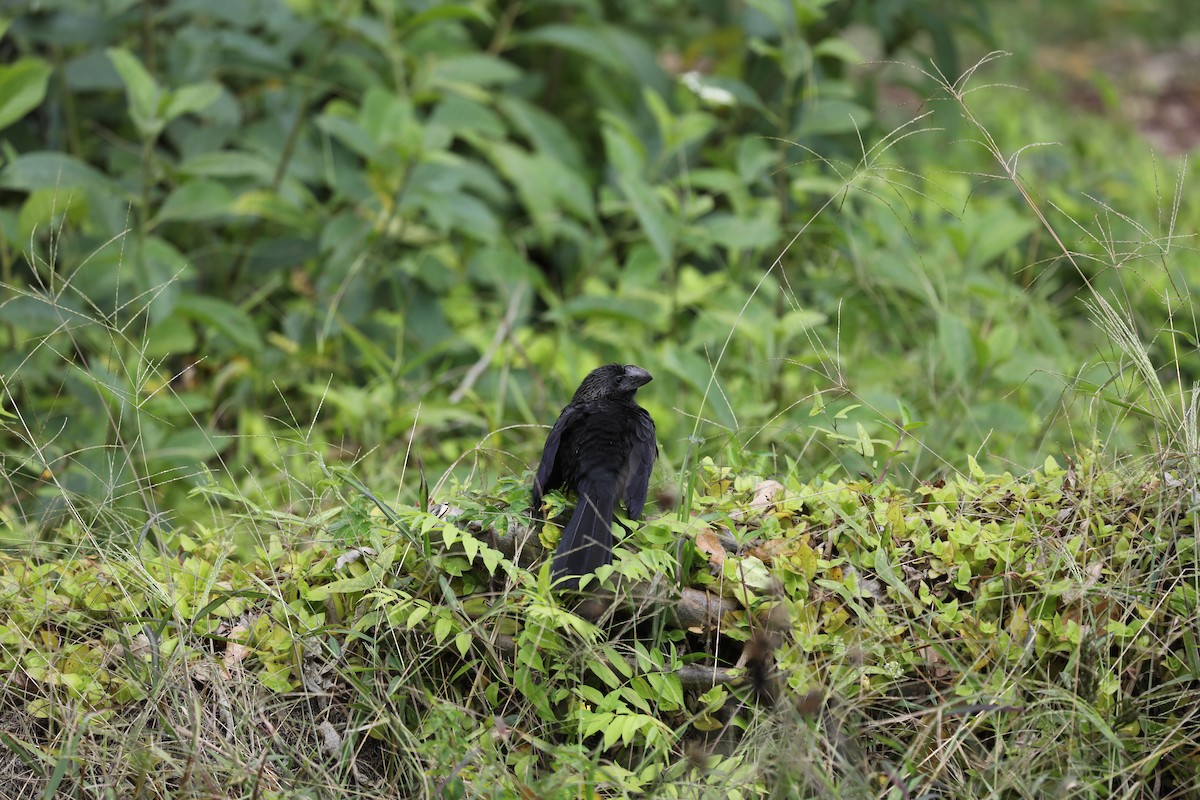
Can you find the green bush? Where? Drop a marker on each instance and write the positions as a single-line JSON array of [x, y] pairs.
[[230, 221]]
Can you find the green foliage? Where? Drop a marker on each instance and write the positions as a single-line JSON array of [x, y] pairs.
[[250, 251], [298, 215], [1009, 607]]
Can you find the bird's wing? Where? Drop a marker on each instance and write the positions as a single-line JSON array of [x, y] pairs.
[[548, 478], [641, 462]]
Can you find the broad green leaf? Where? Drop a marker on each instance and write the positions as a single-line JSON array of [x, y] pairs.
[[228, 164], [222, 317], [441, 12], [143, 91], [186, 447], [442, 628], [621, 308], [824, 117], [172, 335], [677, 130], [780, 14], [479, 69], [592, 43], [276, 675], [954, 345], [389, 119], [190, 99], [837, 47], [755, 159], [627, 157], [501, 266], [196, 200], [740, 233], [163, 268], [368, 580], [993, 233], [44, 208], [91, 71], [545, 132], [466, 118], [569, 187], [22, 88], [349, 133], [269, 205], [525, 171], [652, 215], [625, 152], [46, 170]]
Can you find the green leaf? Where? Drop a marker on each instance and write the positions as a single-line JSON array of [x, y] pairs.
[[993, 233], [143, 91], [390, 119], [190, 99], [954, 348], [830, 118], [778, 13], [622, 147], [270, 205], [625, 308], [652, 216], [740, 233], [532, 175], [171, 335], [228, 164], [545, 132], [604, 673], [275, 675], [441, 12], [22, 88], [587, 42], [223, 317], [465, 118], [49, 207], [627, 157], [839, 48], [441, 629], [368, 580], [479, 69], [349, 133], [48, 170], [196, 200]]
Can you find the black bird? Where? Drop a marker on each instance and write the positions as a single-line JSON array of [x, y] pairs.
[[601, 447]]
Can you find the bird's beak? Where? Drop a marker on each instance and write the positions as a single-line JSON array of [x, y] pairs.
[[637, 376]]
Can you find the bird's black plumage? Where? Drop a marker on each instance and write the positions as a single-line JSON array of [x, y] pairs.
[[602, 448]]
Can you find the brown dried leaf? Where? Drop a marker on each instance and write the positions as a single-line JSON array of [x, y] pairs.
[[764, 495], [235, 652], [708, 543], [764, 498], [768, 549]]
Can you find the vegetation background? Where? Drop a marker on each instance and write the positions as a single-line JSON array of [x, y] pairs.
[[261, 257]]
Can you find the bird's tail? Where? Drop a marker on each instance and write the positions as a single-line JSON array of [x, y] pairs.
[[587, 540]]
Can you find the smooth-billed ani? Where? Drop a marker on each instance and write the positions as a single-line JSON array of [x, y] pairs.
[[602, 448]]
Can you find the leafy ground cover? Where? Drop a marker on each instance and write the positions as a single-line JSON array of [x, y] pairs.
[[401, 234], [290, 292], [986, 636]]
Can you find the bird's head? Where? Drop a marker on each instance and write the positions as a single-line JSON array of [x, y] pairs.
[[612, 381]]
